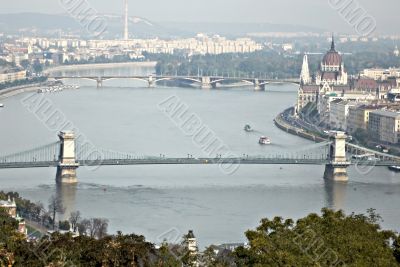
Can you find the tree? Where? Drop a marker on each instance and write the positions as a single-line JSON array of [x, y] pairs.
[[64, 225], [37, 67], [330, 239], [396, 245], [209, 257], [167, 258], [188, 258], [74, 218], [101, 226], [94, 227], [83, 227], [9, 238], [361, 135], [55, 206], [25, 63]]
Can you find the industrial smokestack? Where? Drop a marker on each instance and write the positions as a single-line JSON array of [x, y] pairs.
[[126, 32]]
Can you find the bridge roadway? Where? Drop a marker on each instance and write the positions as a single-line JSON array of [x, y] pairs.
[[195, 161], [198, 79]]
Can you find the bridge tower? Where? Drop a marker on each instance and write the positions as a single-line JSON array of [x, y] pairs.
[[99, 82], [205, 82], [151, 81], [336, 169], [66, 169], [257, 86]]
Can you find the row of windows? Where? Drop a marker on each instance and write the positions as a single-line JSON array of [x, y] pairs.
[[309, 98], [330, 68]]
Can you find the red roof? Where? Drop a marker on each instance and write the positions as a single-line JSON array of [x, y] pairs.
[[366, 83], [332, 58], [329, 76], [310, 88]]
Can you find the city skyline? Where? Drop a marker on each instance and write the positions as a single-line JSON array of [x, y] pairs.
[[320, 14]]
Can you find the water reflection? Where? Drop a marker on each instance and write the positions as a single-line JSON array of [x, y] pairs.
[[335, 194], [67, 194]]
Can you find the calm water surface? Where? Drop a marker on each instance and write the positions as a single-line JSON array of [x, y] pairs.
[[153, 200]]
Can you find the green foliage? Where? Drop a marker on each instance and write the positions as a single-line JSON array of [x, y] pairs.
[[101, 59], [23, 82], [29, 210], [361, 135], [223, 259], [396, 245], [37, 66], [25, 63], [64, 250], [166, 258], [265, 64], [331, 239], [4, 63], [9, 238], [64, 225]]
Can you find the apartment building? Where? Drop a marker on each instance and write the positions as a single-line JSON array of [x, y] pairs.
[[384, 126]]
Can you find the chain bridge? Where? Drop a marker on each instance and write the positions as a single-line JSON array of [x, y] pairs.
[[68, 154]]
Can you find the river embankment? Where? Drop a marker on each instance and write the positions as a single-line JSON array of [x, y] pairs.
[[284, 125], [12, 91], [99, 66]]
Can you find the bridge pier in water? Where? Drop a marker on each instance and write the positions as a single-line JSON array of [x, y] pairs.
[[152, 82], [257, 86], [336, 169], [66, 169], [206, 82], [99, 82]]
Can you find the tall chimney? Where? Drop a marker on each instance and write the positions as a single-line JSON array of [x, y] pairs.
[[126, 33]]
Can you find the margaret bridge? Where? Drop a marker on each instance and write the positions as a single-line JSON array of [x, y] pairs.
[[204, 82], [68, 154]]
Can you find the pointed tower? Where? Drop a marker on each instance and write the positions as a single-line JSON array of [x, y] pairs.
[[305, 76], [396, 51], [191, 246], [126, 21], [333, 43]]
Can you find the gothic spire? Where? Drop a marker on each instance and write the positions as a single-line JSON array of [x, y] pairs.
[[333, 43], [305, 76]]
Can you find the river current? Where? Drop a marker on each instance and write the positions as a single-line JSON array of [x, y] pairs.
[[166, 201]]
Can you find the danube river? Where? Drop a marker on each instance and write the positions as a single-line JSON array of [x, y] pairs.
[[166, 201]]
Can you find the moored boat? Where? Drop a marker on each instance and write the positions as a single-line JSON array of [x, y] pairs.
[[395, 168]]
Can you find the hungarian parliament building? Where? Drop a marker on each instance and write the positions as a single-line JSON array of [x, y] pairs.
[[331, 82]]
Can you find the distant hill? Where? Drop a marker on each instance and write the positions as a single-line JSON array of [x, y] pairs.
[[47, 24], [239, 29], [51, 25]]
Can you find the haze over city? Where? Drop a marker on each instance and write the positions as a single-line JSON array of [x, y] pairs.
[[315, 13]]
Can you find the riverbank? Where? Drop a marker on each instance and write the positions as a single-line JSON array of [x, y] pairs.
[[12, 91], [284, 125], [100, 66]]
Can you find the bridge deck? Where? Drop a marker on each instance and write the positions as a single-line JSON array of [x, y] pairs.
[[199, 161], [171, 77]]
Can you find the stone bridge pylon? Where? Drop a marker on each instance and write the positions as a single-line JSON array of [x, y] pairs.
[[336, 169], [66, 169]]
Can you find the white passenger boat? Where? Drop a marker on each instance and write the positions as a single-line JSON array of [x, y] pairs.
[[1, 105], [264, 140]]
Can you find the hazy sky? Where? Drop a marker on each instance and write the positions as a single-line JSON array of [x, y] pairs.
[[305, 12]]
